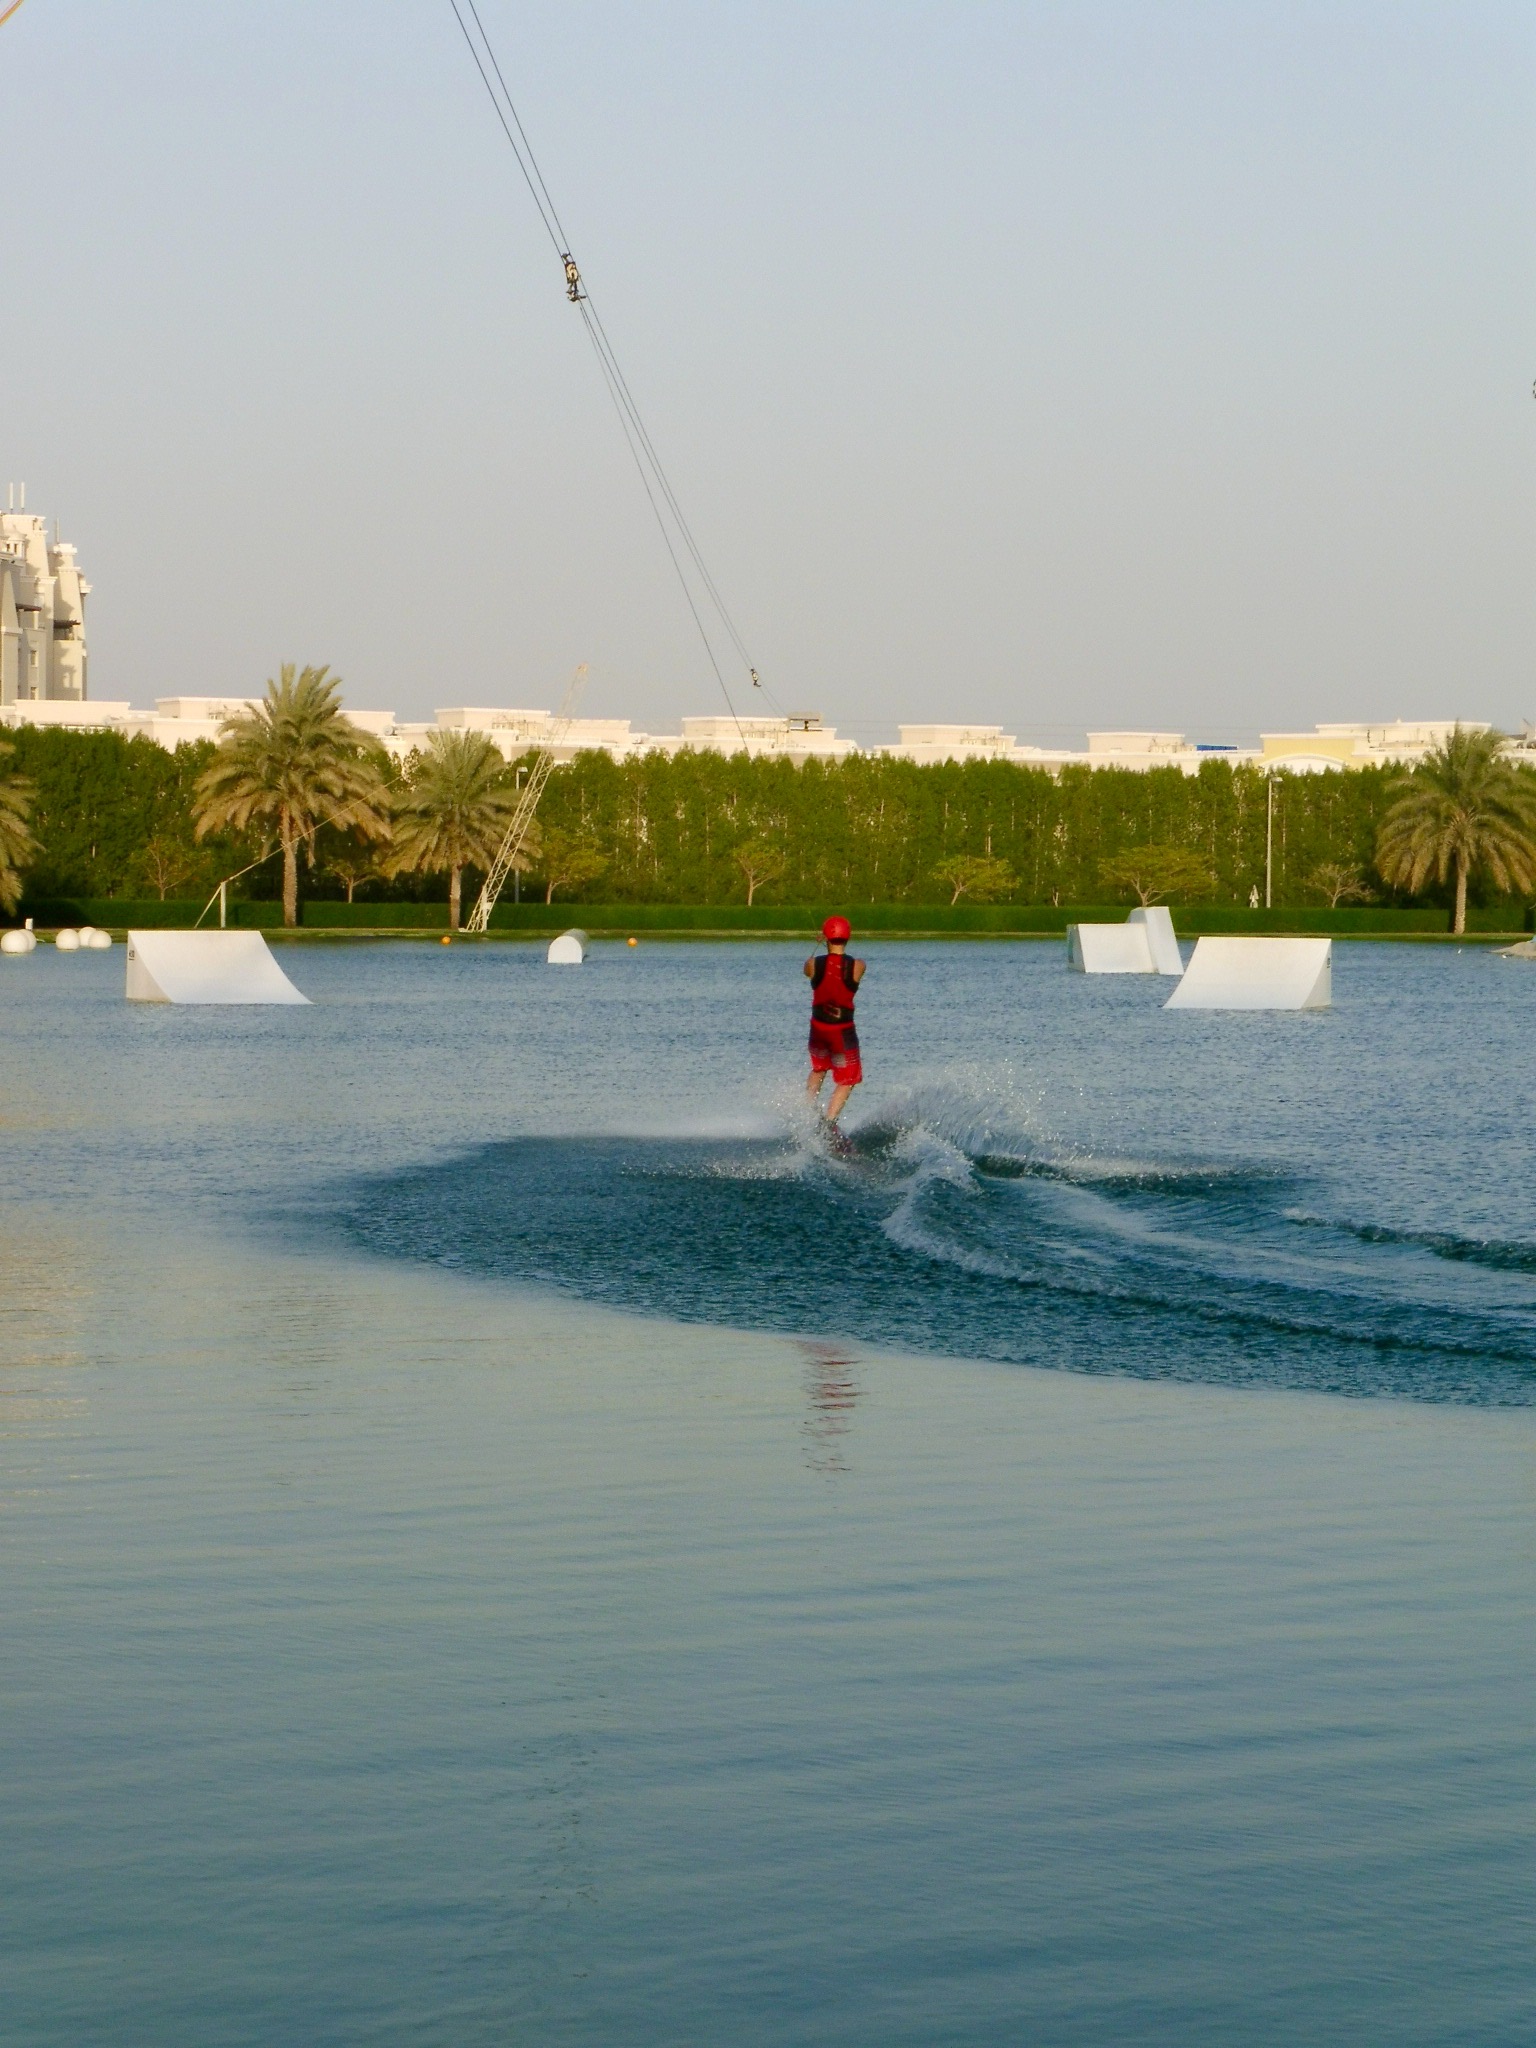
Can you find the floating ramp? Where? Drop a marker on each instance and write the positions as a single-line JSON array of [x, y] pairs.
[[569, 950], [1256, 974], [1144, 944], [205, 967]]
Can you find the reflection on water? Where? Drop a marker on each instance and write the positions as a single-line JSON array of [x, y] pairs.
[[832, 1392]]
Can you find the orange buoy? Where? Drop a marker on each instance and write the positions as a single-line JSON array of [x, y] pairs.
[[634, 942]]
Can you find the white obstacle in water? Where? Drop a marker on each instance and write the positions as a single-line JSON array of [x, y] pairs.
[[1144, 944], [205, 967], [95, 938], [66, 939], [1109, 949], [1156, 919], [1256, 974], [569, 950], [23, 941]]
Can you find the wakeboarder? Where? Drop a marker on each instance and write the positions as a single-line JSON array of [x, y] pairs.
[[834, 980]]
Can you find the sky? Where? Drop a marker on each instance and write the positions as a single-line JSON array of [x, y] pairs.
[[1058, 366]]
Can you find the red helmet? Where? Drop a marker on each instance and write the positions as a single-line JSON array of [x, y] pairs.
[[837, 930]]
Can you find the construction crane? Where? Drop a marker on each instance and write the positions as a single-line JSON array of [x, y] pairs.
[[522, 818]]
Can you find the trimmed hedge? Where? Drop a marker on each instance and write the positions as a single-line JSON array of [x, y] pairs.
[[363, 917], [119, 913]]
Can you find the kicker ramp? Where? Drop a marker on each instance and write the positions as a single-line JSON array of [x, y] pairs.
[[569, 950], [1144, 944], [1256, 974], [1109, 949], [205, 967]]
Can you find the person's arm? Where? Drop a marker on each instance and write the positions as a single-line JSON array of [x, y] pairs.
[[810, 968], [858, 971]]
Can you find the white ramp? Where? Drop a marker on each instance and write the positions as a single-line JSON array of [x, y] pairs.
[[1256, 974], [1162, 942], [1109, 949], [205, 967], [569, 950]]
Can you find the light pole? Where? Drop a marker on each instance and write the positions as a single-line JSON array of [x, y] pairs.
[[1269, 841], [517, 873]]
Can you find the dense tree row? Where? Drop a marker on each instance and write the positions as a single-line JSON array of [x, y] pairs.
[[115, 818], [881, 831]]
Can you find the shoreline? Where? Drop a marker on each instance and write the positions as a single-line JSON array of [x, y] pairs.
[[325, 934]]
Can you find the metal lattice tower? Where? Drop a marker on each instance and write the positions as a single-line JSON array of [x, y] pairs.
[[528, 803]]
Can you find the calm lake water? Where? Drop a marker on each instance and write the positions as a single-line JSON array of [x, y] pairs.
[[505, 1539]]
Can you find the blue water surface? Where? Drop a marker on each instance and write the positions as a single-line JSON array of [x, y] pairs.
[[509, 1536]]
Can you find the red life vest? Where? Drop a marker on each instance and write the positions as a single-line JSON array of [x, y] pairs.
[[832, 988]]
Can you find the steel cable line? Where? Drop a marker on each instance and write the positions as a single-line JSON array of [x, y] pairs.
[[645, 485], [657, 485], [577, 291]]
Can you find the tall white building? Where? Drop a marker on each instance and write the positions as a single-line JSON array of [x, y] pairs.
[[42, 611]]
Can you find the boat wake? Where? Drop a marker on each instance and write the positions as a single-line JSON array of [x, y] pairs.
[[950, 1225]]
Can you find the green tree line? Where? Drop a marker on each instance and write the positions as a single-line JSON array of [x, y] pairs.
[[114, 817]]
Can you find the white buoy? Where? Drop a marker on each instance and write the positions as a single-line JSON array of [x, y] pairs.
[[93, 936], [18, 942], [66, 941], [569, 950]]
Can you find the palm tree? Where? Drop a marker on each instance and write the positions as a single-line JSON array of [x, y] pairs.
[[455, 810], [1465, 806], [17, 845], [294, 763]]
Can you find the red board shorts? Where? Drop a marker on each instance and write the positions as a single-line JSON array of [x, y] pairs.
[[835, 1051]]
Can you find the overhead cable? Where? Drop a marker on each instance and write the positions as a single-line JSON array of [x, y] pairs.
[[677, 535]]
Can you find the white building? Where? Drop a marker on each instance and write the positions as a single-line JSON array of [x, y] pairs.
[[43, 681], [799, 738], [926, 744], [42, 611], [1396, 743], [176, 720], [1141, 751], [1393, 743], [513, 731], [929, 744]]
